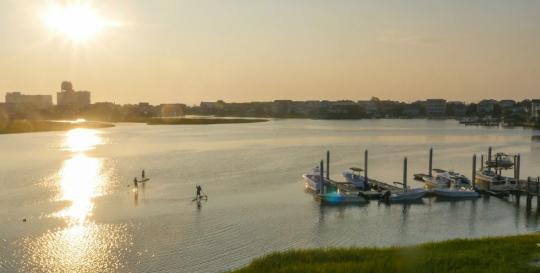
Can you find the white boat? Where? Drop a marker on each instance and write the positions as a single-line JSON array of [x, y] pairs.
[[354, 176], [459, 179], [456, 193], [501, 160], [337, 198], [404, 196], [439, 181], [312, 180], [444, 179], [489, 180]]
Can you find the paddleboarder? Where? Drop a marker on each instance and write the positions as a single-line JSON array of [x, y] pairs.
[[199, 190]]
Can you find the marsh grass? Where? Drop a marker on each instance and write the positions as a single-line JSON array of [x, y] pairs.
[[494, 255], [28, 126], [200, 121]]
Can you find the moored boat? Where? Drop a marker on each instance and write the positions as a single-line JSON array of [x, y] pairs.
[[313, 180], [404, 196], [489, 180], [456, 193], [337, 198], [444, 179], [440, 180], [354, 176], [501, 160]]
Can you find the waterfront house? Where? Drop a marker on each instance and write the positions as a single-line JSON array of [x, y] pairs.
[[535, 110], [486, 106], [435, 107]]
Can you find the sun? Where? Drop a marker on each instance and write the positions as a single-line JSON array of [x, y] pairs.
[[75, 21]]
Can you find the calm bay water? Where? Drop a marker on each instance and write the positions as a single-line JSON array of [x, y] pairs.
[[82, 214]]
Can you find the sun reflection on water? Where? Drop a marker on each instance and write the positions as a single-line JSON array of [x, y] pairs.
[[83, 245], [81, 140], [80, 180]]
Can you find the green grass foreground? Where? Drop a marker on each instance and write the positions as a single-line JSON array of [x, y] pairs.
[[200, 121], [517, 254]]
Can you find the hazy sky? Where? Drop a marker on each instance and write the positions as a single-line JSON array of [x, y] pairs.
[[243, 50]]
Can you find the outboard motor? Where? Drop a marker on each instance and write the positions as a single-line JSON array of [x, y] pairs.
[[386, 196]]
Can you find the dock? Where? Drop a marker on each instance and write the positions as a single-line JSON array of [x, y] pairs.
[[529, 187]]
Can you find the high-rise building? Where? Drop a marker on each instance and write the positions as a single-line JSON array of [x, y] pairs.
[[69, 97], [38, 101]]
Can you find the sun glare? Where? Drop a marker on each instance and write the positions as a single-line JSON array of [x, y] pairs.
[[81, 140], [77, 21]]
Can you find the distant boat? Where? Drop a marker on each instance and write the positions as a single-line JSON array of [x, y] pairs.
[[404, 196], [337, 198], [312, 180], [489, 180], [354, 176]]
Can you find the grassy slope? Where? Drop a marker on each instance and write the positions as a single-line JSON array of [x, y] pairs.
[[493, 255]]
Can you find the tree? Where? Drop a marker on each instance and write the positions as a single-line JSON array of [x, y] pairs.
[[472, 109]]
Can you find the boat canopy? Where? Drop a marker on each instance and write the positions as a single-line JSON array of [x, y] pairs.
[[356, 169]]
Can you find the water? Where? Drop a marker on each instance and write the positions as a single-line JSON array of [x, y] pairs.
[[82, 214]]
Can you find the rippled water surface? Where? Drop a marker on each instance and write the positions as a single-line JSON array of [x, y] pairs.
[[68, 203]]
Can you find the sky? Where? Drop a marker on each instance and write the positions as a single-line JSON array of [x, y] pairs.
[[260, 50]]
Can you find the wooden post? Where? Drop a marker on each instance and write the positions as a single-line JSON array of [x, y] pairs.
[[328, 165], [321, 188], [538, 194], [431, 162], [497, 165], [481, 162], [518, 167], [489, 158], [528, 198], [405, 174], [473, 180], [366, 179], [515, 168], [529, 195]]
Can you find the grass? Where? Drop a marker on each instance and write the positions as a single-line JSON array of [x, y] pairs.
[[494, 255], [200, 121], [28, 126]]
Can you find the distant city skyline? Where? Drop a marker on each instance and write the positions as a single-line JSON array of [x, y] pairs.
[[134, 51]]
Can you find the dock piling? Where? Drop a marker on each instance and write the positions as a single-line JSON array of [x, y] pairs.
[[529, 195], [489, 158], [321, 189], [473, 180], [366, 166], [481, 162], [405, 174], [431, 162], [517, 167], [538, 194], [327, 164]]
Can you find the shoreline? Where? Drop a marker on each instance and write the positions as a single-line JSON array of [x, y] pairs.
[[36, 126]]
